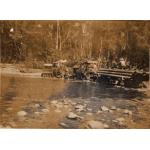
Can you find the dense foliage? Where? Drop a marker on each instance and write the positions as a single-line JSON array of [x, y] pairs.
[[48, 41]]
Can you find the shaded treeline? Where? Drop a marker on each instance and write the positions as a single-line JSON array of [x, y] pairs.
[[48, 41]]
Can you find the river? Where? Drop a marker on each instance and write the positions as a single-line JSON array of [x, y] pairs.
[[19, 92]]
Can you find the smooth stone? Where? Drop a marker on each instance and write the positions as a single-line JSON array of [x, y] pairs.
[[37, 105], [64, 125], [79, 107], [106, 126], [37, 113], [120, 121], [113, 108], [118, 109], [99, 112], [115, 121], [45, 110], [97, 124], [21, 113], [127, 112], [54, 102], [72, 115], [73, 103], [66, 102], [89, 109], [111, 111], [104, 108], [58, 105]]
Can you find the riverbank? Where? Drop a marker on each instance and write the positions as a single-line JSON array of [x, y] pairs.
[[19, 70]]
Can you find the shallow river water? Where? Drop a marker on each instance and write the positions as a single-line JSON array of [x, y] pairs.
[[19, 92]]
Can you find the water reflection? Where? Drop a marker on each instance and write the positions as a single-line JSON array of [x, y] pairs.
[[87, 89], [17, 91]]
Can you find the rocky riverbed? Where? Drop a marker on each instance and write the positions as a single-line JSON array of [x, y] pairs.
[[79, 113]]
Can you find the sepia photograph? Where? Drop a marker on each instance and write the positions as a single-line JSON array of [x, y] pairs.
[[75, 74]]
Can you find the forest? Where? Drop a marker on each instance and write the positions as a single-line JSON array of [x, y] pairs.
[[44, 41]]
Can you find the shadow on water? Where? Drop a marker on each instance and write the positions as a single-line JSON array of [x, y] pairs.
[[87, 90]]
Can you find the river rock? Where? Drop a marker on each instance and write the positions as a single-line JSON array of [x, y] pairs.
[[72, 115], [53, 102], [57, 111], [104, 108], [89, 109], [128, 112], [113, 108], [21, 113], [99, 112], [120, 121], [111, 111], [37, 113], [97, 124], [45, 110], [79, 108], [73, 103], [66, 101], [37, 105], [58, 105], [64, 125]]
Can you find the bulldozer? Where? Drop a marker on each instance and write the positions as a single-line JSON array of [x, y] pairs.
[[57, 69]]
